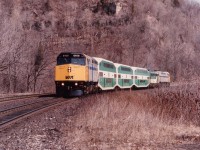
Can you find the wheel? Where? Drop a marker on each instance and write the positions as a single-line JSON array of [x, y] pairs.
[[58, 92]]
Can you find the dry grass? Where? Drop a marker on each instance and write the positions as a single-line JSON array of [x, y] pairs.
[[127, 120], [142, 119]]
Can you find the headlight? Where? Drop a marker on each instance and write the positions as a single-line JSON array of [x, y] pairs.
[[63, 84], [76, 84]]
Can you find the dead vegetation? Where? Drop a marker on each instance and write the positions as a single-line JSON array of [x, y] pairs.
[[147, 119], [137, 118], [160, 35]]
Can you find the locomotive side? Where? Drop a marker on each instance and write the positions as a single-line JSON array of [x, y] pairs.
[[163, 78], [153, 79]]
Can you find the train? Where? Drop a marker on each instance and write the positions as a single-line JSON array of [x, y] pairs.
[[77, 74]]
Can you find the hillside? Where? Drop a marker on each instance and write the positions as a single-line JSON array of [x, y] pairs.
[[155, 34]]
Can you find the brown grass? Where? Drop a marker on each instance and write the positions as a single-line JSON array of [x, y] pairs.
[[165, 118], [127, 120]]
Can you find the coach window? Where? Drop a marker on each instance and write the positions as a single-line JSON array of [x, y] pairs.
[[125, 69], [100, 74], [108, 80], [126, 81], [142, 81], [106, 65]]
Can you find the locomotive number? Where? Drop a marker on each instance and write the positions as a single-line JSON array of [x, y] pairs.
[[69, 77]]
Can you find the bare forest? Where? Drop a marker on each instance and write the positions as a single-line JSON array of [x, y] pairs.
[[156, 34]]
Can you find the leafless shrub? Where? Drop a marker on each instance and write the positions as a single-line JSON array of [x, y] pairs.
[[137, 117], [176, 3]]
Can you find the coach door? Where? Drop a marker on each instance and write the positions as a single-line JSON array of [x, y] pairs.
[[94, 71], [89, 63]]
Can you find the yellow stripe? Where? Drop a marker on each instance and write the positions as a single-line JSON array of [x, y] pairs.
[[78, 73]]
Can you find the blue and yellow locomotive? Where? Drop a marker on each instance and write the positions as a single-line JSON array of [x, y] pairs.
[[75, 73]]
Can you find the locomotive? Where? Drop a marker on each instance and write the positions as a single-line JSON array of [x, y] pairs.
[[77, 73]]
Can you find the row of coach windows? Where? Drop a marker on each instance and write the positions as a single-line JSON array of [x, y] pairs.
[[125, 69], [141, 71], [134, 77], [106, 65]]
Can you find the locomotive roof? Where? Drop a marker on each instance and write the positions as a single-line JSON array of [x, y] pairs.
[[72, 53], [162, 72]]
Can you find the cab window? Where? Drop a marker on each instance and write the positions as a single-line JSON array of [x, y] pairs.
[[70, 60]]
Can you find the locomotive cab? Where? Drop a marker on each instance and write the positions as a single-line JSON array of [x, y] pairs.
[[75, 74], [154, 79]]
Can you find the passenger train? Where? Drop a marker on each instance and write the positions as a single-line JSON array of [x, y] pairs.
[[77, 74]]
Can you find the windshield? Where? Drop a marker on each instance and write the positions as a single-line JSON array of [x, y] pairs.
[[80, 61], [63, 60]]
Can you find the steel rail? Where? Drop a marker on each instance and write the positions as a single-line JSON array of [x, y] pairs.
[[23, 106], [11, 98], [29, 112]]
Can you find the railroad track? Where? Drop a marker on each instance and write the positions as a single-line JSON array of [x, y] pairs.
[[15, 114], [11, 98]]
